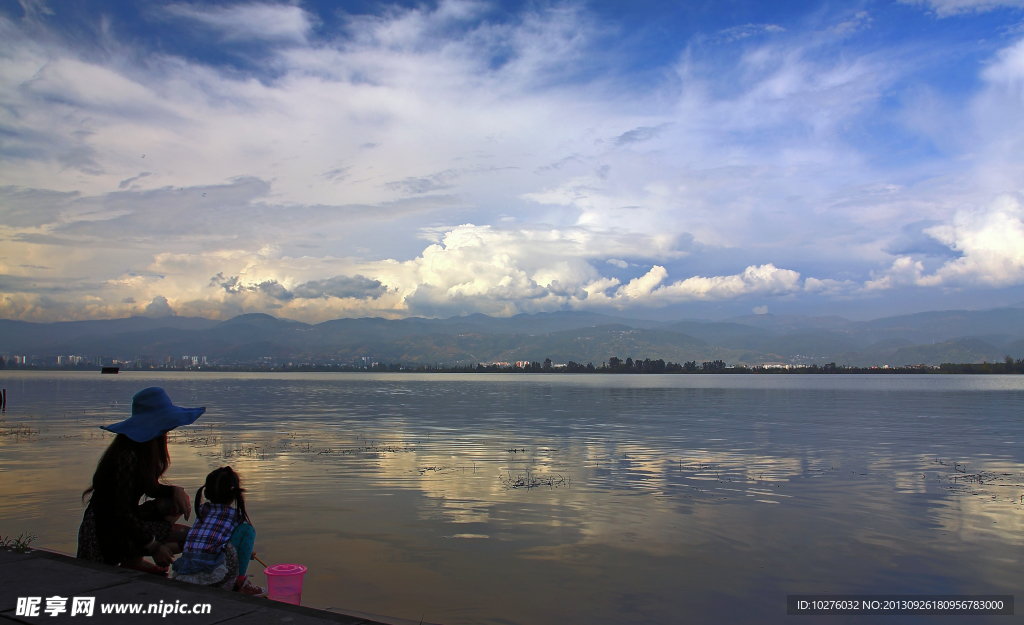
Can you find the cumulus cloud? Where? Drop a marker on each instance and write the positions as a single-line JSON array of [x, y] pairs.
[[988, 244], [500, 271], [905, 271], [754, 280], [158, 307], [648, 289], [641, 287], [469, 268], [507, 271]]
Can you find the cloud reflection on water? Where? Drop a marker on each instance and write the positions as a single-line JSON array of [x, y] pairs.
[[676, 498]]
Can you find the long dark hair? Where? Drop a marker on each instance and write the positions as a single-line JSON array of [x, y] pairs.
[[223, 487], [152, 462]]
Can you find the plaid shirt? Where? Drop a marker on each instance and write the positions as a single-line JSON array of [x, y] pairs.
[[210, 534]]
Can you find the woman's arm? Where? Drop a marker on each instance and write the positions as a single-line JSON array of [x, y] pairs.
[[182, 502], [162, 554], [176, 494]]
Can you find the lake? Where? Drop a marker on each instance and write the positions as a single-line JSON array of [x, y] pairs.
[[570, 498]]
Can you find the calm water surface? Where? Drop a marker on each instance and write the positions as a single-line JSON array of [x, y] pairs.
[[561, 498]]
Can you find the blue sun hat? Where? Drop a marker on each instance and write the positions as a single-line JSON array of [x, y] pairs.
[[153, 414]]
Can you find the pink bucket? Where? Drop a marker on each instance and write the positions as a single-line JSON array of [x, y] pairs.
[[284, 582]]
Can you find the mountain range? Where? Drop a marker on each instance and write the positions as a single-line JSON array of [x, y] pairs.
[[929, 338]]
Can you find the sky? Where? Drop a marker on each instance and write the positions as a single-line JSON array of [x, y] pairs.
[[654, 159]]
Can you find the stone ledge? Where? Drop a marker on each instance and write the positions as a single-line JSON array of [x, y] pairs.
[[45, 573]]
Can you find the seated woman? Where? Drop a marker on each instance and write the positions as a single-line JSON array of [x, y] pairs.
[[116, 528]]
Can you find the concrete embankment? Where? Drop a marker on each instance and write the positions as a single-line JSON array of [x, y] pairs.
[[44, 575]]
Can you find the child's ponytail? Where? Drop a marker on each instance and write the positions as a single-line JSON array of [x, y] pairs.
[[240, 505]]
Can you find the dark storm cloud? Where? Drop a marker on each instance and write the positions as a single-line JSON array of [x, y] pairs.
[[356, 287], [274, 289], [228, 284]]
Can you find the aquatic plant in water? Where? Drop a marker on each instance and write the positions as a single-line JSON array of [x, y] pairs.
[[19, 544]]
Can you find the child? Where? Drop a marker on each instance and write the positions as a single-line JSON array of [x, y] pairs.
[[219, 545]]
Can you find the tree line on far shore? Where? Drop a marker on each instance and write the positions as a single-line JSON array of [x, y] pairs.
[[614, 365]]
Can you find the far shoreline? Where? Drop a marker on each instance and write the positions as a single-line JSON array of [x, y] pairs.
[[998, 368]]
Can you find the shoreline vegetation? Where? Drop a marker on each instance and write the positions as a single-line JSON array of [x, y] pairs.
[[613, 366]]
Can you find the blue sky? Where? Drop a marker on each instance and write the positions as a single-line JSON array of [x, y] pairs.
[[316, 160]]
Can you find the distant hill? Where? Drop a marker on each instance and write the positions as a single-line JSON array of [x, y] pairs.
[[812, 346], [943, 325], [1015, 349], [24, 336], [728, 335], [932, 338], [962, 350], [793, 323]]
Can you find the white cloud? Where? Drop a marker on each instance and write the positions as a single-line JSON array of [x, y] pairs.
[[736, 33], [504, 272], [860, 21], [829, 286], [648, 290], [640, 288], [905, 271], [755, 280], [325, 166], [990, 244], [240, 22], [469, 269], [947, 8]]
